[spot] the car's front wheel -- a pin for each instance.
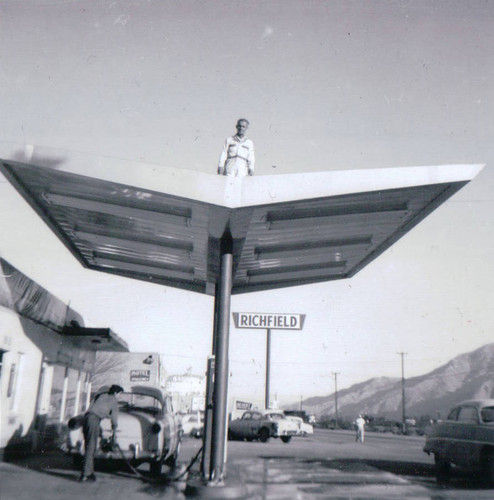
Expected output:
(264, 435)
(172, 461)
(443, 469)
(286, 439)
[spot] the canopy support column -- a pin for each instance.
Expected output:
(221, 368)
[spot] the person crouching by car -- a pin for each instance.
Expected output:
(105, 405)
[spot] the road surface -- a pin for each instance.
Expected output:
(327, 465)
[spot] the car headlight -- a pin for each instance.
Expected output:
(156, 428)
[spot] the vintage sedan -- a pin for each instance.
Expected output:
(304, 429)
(465, 439)
(262, 425)
(193, 424)
(148, 431)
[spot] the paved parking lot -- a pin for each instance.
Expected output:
(328, 465)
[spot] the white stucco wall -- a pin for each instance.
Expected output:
(23, 359)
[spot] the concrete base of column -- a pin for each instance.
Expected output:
(213, 489)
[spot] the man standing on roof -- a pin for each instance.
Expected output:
(105, 405)
(237, 158)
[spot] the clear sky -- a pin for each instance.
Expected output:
(327, 86)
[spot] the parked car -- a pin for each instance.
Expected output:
(465, 439)
(193, 424)
(304, 429)
(262, 425)
(148, 431)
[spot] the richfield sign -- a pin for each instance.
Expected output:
(269, 321)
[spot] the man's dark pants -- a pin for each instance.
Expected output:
(91, 432)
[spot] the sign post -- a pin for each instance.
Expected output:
(268, 322)
(267, 401)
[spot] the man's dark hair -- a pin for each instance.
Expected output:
(243, 120)
(115, 389)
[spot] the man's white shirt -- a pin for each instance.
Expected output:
(237, 157)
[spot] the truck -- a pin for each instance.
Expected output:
(127, 369)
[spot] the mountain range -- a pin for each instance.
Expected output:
(467, 376)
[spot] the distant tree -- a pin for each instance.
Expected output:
(108, 369)
(329, 422)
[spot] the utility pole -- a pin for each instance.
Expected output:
(335, 375)
(301, 403)
(403, 415)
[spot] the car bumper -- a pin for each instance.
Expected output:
(130, 455)
(286, 433)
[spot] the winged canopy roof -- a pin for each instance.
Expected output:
(164, 225)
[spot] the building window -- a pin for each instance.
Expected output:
(14, 382)
(1, 362)
(11, 386)
(85, 391)
(70, 408)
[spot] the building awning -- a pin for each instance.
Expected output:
(94, 339)
(27, 298)
(164, 225)
(30, 300)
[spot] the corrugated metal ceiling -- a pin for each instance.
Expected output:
(174, 241)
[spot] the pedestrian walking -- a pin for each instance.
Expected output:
(360, 428)
(237, 158)
(105, 405)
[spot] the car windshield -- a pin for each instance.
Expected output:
(143, 402)
(487, 414)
